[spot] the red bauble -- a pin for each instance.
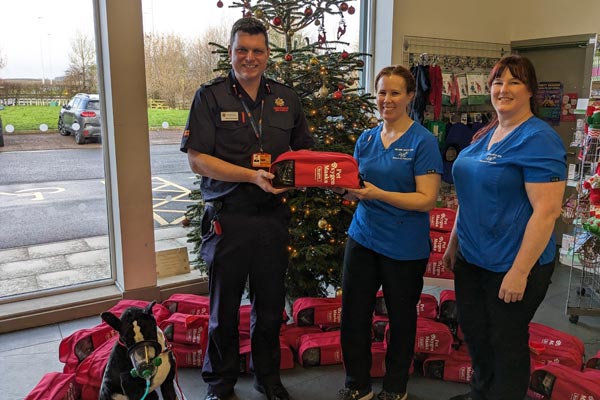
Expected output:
(345, 54)
(308, 11)
(341, 86)
(288, 57)
(351, 10)
(220, 4)
(248, 14)
(337, 95)
(344, 6)
(277, 21)
(360, 63)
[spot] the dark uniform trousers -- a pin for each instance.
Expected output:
(497, 333)
(253, 243)
(364, 272)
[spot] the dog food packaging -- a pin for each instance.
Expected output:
(320, 349)
(317, 311)
(188, 304)
(186, 329)
(307, 168)
(56, 386)
(73, 349)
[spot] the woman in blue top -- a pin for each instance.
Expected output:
(510, 183)
(388, 242)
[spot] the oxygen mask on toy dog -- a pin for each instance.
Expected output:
(145, 357)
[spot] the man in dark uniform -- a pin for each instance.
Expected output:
(237, 126)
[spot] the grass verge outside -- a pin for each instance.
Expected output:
(27, 119)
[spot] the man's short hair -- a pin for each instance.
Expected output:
(251, 26)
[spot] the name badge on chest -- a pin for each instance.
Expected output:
(261, 160)
(230, 116)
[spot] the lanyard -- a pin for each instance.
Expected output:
(256, 128)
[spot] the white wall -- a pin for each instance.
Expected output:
(491, 21)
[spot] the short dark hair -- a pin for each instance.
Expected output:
(409, 79)
(521, 68)
(251, 26)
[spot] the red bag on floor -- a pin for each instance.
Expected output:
(559, 382)
(245, 314)
(188, 304)
(427, 307)
(448, 310)
(307, 168)
(56, 386)
(186, 329)
(73, 349)
(594, 362)
(188, 355)
(378, 360)
(435, 268)
(286, 361)
(539, 333)
(439, 241)
(159, 311)
(91, 370)
(432, 337)
(454, 367)
(541, 355)
(325, 311)
(290, 335)
(442, 219)
(320, 349)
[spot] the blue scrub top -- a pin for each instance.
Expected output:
(379, 226)
(490, 186)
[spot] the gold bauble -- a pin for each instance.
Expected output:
(338, 292)
(322, 223)
(314, 61)
(259, 13)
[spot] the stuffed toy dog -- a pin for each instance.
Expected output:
(140, 361)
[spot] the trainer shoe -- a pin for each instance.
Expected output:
(385, 395)
(354, 394)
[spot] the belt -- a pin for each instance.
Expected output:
(234, 206)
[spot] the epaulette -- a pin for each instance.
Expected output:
(219, 79)
(272, 81)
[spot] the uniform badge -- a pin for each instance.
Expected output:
(229, 116)
(280, 105)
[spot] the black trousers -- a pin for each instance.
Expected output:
(252, 245)
(364, 272)
(497, 333)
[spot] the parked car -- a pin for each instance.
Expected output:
(81, 117)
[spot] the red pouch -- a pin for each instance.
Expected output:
(380, 324)
(378, 360)
(159, 311)
(435, 267)
(594, 362)
(320, 349)
(292, 333)
(307, 168)
(245, 313)
(91, 370)
(442, 219)
(73, 349)
(448, 310)
(186, 329)
(55, 386)
(541, 354)
(188, 304)
(187, 355)
(317, 311)
(550, 337)
(454, 367)
(286, 361)
(427, 306)
(556, 381)
(439, 241)
(432, 337)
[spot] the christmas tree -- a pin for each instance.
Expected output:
(326, 77)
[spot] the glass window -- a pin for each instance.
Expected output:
(53, 208)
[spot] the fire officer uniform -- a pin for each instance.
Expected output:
(244, 229)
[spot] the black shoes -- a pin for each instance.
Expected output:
(212, 396)
(273, 392)
(385, 395)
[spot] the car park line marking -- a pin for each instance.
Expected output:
(36, 193)
(164, 193)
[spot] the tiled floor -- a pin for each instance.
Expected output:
(27, 355)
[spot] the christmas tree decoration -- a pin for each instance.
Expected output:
(220, 4)
(327, 79)
(351, 10)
